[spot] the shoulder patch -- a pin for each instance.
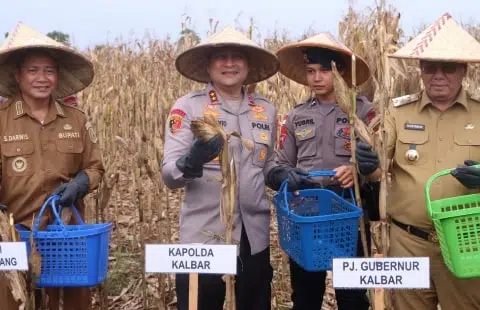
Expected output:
(91, 132)
(403, 100)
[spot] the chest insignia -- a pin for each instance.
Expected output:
(303, 133)
(412, 155)
(19, 164)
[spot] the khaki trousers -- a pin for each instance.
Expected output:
(73, 298)
(445, 289)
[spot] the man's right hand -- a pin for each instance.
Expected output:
(297, 178)
(367, 159)
(191, 164)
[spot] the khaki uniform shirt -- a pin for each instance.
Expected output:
(36, 158)
(316, 136)
(443, 140)
(255, 119)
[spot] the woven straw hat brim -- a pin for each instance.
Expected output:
(194, 62)
(444, 40)
(75, 72)
(292, 62)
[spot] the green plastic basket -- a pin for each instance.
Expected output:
(457, 223)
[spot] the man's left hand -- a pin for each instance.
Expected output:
(344, 176)
(76, 189)
(467, 175)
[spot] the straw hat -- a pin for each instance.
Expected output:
(444, 40)
(193, 63)
(75, 70)
(292, 59)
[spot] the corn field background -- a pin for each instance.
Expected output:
(135, 85)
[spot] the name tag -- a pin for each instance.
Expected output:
(419, 127)
(69, 135)
(14, 138)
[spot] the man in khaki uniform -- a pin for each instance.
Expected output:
(46, 147)
(226, 62)
(316, 136)
(433, 130)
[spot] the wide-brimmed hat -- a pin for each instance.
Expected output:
(193, 63)
(444, 40)
(292, 59)
(75, 71)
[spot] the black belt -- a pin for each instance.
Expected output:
(417, 231)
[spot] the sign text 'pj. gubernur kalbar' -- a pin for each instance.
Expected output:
(387, 272)
(196, 258)
(373, 266)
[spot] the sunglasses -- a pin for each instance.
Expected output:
(445, 67)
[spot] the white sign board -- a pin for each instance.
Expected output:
(13, 256)
(387, 272)
(191, 258)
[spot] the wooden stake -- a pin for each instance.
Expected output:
(379, 301)
(193, 291)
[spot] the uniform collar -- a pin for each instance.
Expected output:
(215, 99)
(21, 109)
(462, 99)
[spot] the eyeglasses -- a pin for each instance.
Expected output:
(445, 67)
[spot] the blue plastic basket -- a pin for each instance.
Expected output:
(317, 225)
(72, 255)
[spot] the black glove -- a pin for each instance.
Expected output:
(297, 178)
(191, 164)
(468, 176)
(367, 159)
(72, 191)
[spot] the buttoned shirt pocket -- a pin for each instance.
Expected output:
(262, 141)
(306, 142)
(18, 158)
(468, 143)
(342, 140)
(70, 153)
(412, 147)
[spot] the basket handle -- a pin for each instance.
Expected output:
(429, 183)
(317, 173)
(58, 220)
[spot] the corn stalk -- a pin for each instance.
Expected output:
(15, 279)
(205, 130)
(347, 101)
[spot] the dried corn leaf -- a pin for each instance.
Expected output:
(35, 259)
(343, 93)
(15, 279)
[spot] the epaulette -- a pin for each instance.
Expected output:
(260, 97)
(403, 100)
(5, 104)
(196, 93)
(63, 104)
(299, 105)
